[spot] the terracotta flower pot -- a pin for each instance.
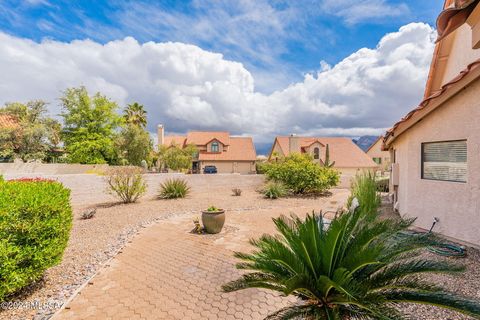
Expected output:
(213, 220)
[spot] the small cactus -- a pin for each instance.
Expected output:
(327, 162)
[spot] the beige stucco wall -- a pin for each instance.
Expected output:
(461, 53)
(242, 167)
(376, 152)
(457, 205)
(311, 148)
(276, 148)
(49, 168)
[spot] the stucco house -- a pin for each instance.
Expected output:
(349, 158)
(435, 148)
(380, 156)
(227, 153)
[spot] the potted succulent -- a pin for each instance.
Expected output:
(213, 219)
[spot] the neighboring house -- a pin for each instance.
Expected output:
(8, 122)
(436, 147)
(349, 158)
(216, 148)
(378, 155)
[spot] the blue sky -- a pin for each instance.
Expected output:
(278, 41)
(252, 67)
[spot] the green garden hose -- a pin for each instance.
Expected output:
(441, 249)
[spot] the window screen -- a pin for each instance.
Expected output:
(445, 161)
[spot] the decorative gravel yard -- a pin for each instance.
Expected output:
(163, 271)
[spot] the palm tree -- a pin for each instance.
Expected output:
(359, 267)
(135, 114)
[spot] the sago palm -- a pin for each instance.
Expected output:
(135, 114)
(359, 267)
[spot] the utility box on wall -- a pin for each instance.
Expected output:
(395, 174)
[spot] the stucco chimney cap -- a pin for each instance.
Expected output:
(160, 126)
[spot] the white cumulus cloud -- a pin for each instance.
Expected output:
(186, 88)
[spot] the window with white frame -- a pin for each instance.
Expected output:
(214, 146)
(316, 153)
(446, 161)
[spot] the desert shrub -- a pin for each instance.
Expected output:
(237, 192)
(364, 189)
(127, 183)
(274, 190)
(382, 184)
(1, 178)
(35, 223)
(301, 175)
(260, 166)
(174, 188)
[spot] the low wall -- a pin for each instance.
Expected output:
(49, 168)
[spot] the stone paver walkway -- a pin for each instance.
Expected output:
(169, 273)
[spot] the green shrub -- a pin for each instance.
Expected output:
(301, 175)
(35, 223)
(260, 166)
(274, 190)
(364, 188)
(127, 183)
(174, 188)
(382, 184)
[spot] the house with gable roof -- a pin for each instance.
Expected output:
(349, 158)
(435, 148)
(229, 154)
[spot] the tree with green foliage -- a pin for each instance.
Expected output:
(177, 158)
(301, 175)
(89, 127)
(35, 135)
(135, 114)
(134, 144)
(355, 267)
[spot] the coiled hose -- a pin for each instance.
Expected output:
(441, 249)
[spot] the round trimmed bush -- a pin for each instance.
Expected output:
(35, 223)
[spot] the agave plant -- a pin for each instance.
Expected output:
(359, 267)
(173, 189)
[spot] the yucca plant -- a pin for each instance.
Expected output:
(174, 188)
(274, 190)
(357, 268)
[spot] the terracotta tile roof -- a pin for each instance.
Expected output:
(427, 101)
(174, 140)
(240, 149)
(455, 14)
(343, 151)
(200, 138)
(8, 121)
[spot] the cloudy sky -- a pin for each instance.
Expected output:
(255, 67)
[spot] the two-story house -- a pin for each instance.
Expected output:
(348, 157)
(227, 153)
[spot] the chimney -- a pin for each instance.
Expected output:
(160, 134)
(294, 143)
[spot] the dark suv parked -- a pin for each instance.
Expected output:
(210, 169)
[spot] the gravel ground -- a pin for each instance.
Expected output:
(95, 241)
